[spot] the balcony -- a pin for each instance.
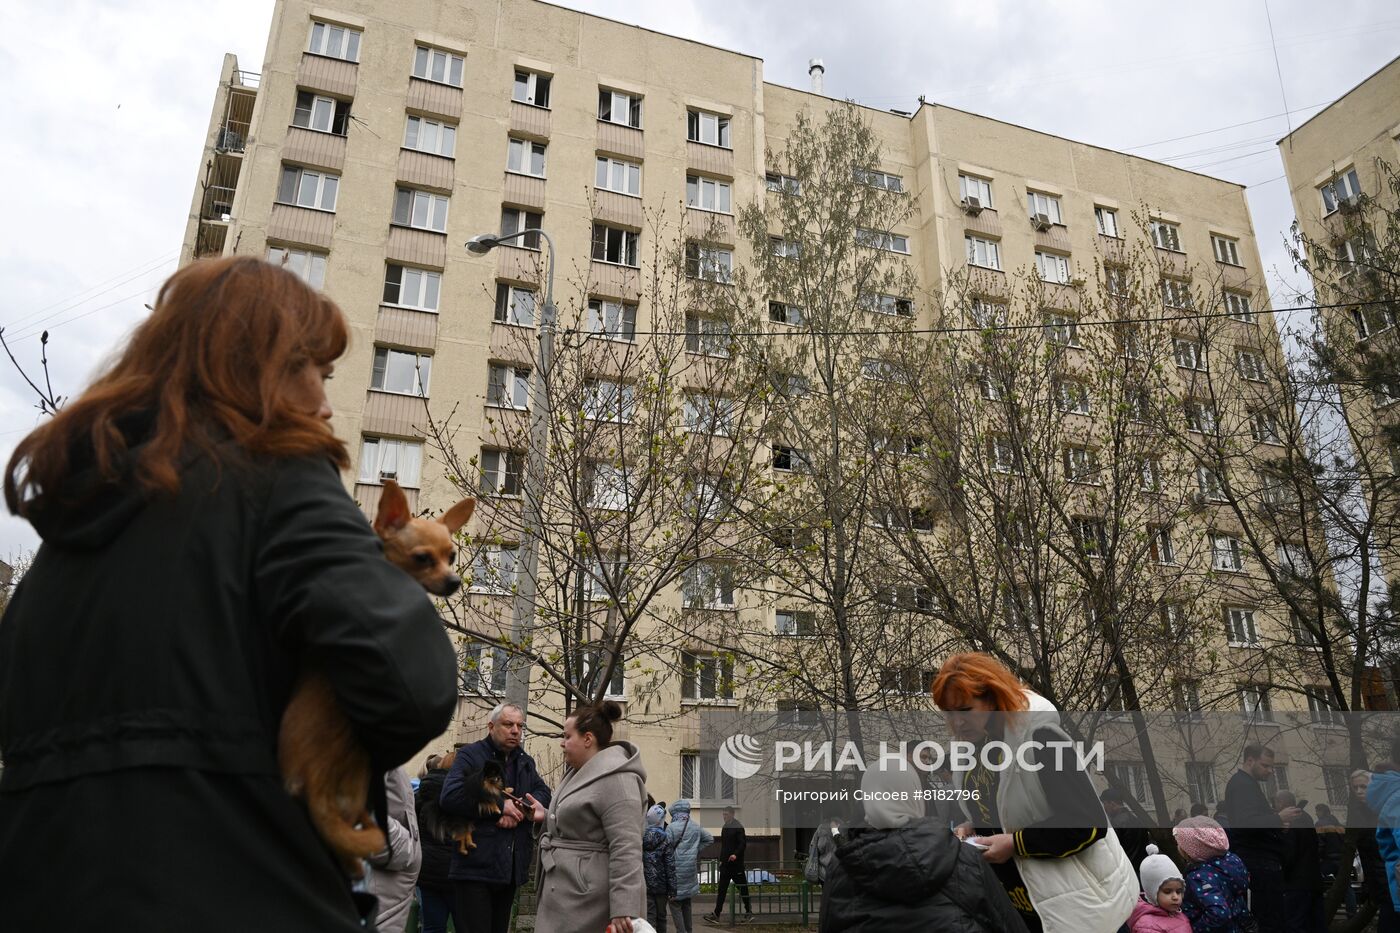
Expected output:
(405, 327)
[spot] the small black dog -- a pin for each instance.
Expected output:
(487, 788)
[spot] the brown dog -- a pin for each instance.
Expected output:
(321, 761)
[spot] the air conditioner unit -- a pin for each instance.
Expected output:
(1041, 222)
(972, 206)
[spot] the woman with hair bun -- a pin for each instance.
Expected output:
(591, 850)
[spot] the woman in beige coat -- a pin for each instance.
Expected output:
(591, 850)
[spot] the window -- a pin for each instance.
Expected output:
(707, 194)
(780, 312)
(617, 107)
(708, 497)
(909, 681)
(782, 184)
(880, 239)
(1343, 189)
(306, 188)
(988, 313)
(525, 157)
(496, 569)
(1130, 777)
(1354, 251)
(1176, 294)
(1373, 319)
(1275, 491)
(1321, 707)
(1238, 307)
(619, 175)
(514, 305)
(1081, 464)
(1139, 405)
(703, 779)
(708, 585)
(708, 263)
(1115, 280)
(783, 248)
(1280, 779)
(709, 128)
(1150, 475)
(1106, 220)
(437, 65)
(308, 266)
(1200, 782)
(1047, 204)
(1200, 416)
(605, 400)
(531, 88)
(430, 136)
(1250, 365)
(707, 335)
(1091, 534)
(1052, 267)
(1209, 485)
(1264, 426)
(334, 41)
(1226, 553)
(1335, 781)
(1165, 235)
(383, 458)
(708, 414)
(1189, 354)
(1174, 625)
(516, 220)
(612, 320)
(1003, 455)
(421, 210)
(1293, 560)
(794, 622)
(508, 386)
(596, 661)
(322, 114)
(483, 669)
(1240, 628)
(989, 385)
(1159, 544)
(609, 487)
(970, 186)
(400, 371)
(789, 459)
(411, 288)
(1226, 249)
(877, 179)
(1255, 703)
(883, 371)
(985, 254)
(501, 471)
(1072, 396)
(1062, 330)
(887, 304)
(615, 245)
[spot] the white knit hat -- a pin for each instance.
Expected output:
(1156, 871)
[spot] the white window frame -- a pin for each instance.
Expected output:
(1189, 354)
(1292, 560)
(1062, 330)
(1321, 709)
(790, 623)
(1256, 704)
(1241, 627)
(610, 100)
(419, 131)
(787, 459)
(976, 187)
(405, 458)
(1201, 417)
(706, 128)
(1106, 221)
(627, 247)
(709, 585)
(1052, 267)
(496, 569)
(438, 66)
(708, 414)
(388, 367)
(508, 386)
(693, 772)
(322, 110)
(612, 320)
(892, 305)
(784, 312)
(882, 239)
(502, 472)
(1081, 464)
(483, 669)
(618, 175)
(609, 400)
(1072, 397)
(1226, 249)
(1340, 187)
(1226, 553)
(983, 253)
(517, 219)
(421, 210)
(533, 91)
(1238, 307)
(1210, 486)
(333, 40)
(708, 194)
(1200, 776)
(1038, 202)
(707, 335)
(1266, 427)
(1166, 235)
(1159, 544)
(782, 248)
(1176, 293)
(709, 263)
(510, 303)
(875, 178)
(989, 314)
(778, 183)
(610, 487)
(616, 689)
(1002, 454)
(879, 370)
(1150, 474)
(417, 289)
(307, 265)
(311, 188)
(522, 156)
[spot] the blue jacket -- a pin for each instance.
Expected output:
(1217, 892)
(501, 856)
(1383, 796)
(658, 862)
(686, 840)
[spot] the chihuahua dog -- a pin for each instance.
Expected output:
(321, 761)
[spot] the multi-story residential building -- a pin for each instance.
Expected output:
(1340, 196)
(377, 138)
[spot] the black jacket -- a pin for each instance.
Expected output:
(435, 837)
(1303, 860)
(916, 878)
(733, 840)
(501, 856)
(145, 662)
(1255, 830)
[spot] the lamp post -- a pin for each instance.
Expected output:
(522, 614)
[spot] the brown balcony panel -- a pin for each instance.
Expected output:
(610, 281)
(987, 223)
(314, 149)
(623, 210)
(1112, 248)
(618, 140)
(439, 100)
(1055, 239)
(505, 427)
(301, 225)
(423, 170)
(1061, 296)
(367, 496)
(397, 415)
(517, 264)
(711, 159)
(988, 283)
(1173, 263)
(332, 75)
(511, 343)
(404, 328)
(524, 191)
(417, 247)
(526, 120)
(707, 225)
(1235, 277)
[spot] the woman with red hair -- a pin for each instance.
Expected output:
(1035, 814)
(199, 551)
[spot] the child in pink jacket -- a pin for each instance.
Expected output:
(1159, 909)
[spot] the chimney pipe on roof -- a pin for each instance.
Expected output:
(816, 69)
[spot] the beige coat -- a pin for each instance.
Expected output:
(393, 873)
(591, 850)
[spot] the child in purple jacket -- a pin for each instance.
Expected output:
(1217, 883)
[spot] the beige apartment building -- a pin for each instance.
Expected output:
(1330, 162)
(375, 139)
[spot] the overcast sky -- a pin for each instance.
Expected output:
(106, 105)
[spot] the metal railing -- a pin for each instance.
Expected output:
(778, 891)
(248, 79)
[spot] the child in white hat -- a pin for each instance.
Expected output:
(1163, 888)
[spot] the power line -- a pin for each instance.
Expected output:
(1221, 129)
(1278, 69)
(77, 297)
(36, 328)
(29, 326)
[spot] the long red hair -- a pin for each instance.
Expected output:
(972, 674)
(209, 364)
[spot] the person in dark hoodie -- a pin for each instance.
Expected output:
(199, 552)
(900, 871)
(1302, 868)
(1256, 835)
(659, 866)
(434, 885)
(733, 840)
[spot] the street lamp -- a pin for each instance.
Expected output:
(522, 613)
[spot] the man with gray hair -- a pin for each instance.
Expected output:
(484, 880)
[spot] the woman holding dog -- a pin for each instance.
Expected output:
(199, 551)
(591, 850)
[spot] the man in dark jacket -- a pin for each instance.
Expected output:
(1302, 868)
(1256, 835)
(484, 880)
(733, 840)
